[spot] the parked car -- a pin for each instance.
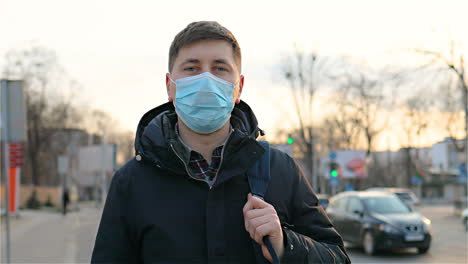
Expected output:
(459, 205)
(405, 195)
(323, 200)
(378, 220)
(464, 217)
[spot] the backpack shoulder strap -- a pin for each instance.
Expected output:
(259, 177)
(259, 174)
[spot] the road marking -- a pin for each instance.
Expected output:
(72, 239)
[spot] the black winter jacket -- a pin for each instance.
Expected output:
(156, 213)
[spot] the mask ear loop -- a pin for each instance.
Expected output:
(238, 82)
(235, 85)
(170, 78)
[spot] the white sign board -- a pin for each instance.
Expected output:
(13, 110)
(62, 165)
(97, 158)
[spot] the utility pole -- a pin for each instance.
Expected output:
(6, 165)
(104, 170)
(465, 101)
(13, 123)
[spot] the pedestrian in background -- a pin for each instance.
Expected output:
(185, 197)
(65, 201)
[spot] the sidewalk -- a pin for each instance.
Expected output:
(39, 236)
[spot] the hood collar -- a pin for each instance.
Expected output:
(155, 132)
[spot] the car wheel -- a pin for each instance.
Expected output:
(368, 243)
(423, 250)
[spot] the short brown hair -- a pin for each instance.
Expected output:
(203, 30)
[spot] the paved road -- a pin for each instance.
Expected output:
(48, 237)
(449, 244)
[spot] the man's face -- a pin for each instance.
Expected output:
(214, 56)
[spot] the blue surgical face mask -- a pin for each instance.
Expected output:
(204, 102)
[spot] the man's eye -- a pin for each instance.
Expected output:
(221, 69)
(190, 69)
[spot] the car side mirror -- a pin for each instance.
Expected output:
(361, 214)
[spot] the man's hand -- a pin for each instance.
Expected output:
(261, 220)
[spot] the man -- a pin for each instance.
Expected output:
(185, 197)
(65, 201)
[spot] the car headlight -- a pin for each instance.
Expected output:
(388, 228)
(426, 224)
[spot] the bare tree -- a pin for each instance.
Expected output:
(416, 118)
(125, 145)
(342, 128)
(302, 72)
(451, 107)
(361, 101)
(365, 103)
(47, 109)
(455, 64)
(415, 121)
(104, 124)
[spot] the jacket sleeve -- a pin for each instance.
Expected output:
(112, 241)
(310, 237)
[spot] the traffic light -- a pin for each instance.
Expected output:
(334, 169)
(334, 173)
(290, 139)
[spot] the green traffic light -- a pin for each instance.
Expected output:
(290, 141)
(334, 173)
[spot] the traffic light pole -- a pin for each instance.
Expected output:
(333, 173)
(314, 166)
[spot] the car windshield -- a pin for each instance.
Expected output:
(323, 201)
(405, 196)
(386, 205)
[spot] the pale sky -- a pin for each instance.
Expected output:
(118, 50)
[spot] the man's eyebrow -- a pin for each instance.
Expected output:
(190, 60)
(222, 61)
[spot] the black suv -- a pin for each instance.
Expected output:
(379, 220)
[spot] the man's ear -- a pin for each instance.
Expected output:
(241, 86)
(170, 88)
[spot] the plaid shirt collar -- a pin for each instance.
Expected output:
(200, 168)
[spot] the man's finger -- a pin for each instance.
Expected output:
(259, 221)
(254, 213)
(257, 203)
(247, 207)
(262, 231)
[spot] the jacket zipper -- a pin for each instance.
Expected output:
(186, 168)
(222, 158)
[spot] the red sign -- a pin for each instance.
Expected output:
(16, 146)
(16, 154)
(16, 163)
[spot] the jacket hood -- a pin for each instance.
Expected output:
(156, 132)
